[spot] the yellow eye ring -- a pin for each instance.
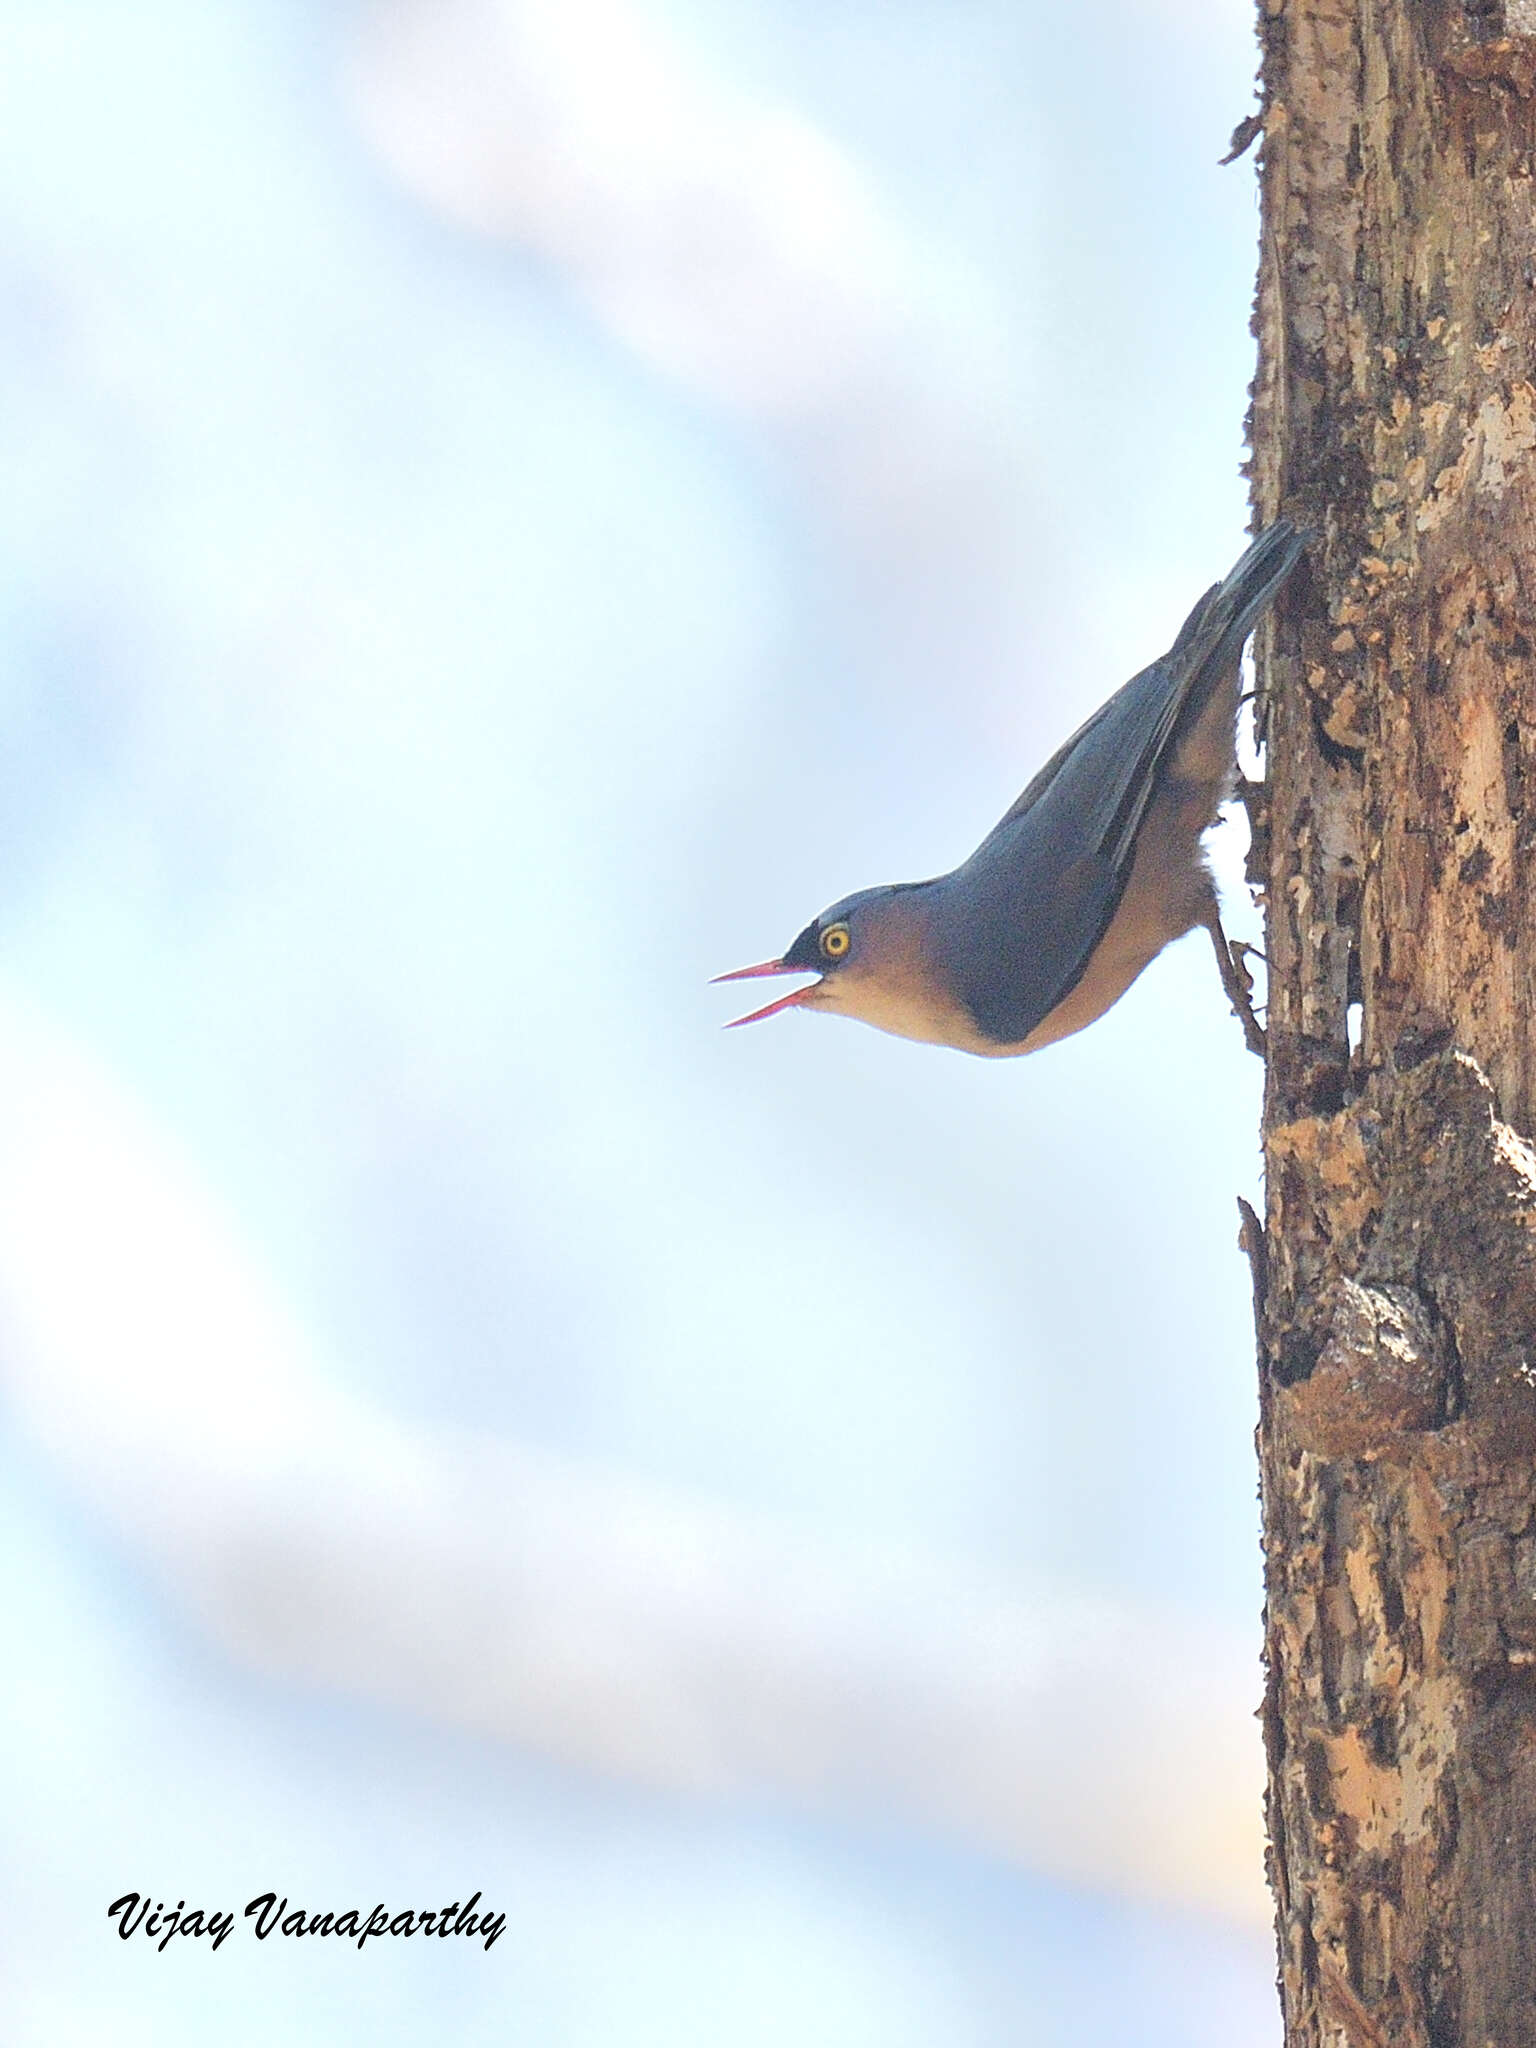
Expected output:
(835, 941)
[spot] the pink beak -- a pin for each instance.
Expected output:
(796, 995)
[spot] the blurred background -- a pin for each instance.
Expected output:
(511, 506)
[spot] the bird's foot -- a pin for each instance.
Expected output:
(1231, 965)
(1241, 953)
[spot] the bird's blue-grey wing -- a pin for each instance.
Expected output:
(1026, 911)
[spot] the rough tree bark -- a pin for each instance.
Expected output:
(1395, 412)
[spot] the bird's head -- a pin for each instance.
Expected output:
(871, 952)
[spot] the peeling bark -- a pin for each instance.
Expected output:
(1395, 413)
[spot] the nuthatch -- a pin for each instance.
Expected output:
(1096, 868)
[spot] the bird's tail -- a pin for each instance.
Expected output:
(1211, 638)
(1204, 656)
(1106, 774)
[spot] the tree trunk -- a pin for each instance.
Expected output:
(1395, 412)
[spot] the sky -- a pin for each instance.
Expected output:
(513, 508)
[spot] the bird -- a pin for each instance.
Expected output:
(1097, 866)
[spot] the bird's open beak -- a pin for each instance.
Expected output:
(796, 995)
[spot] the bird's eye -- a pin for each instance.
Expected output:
(835, 941)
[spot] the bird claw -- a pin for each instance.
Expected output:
(1241, 952)
(1231, 964)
